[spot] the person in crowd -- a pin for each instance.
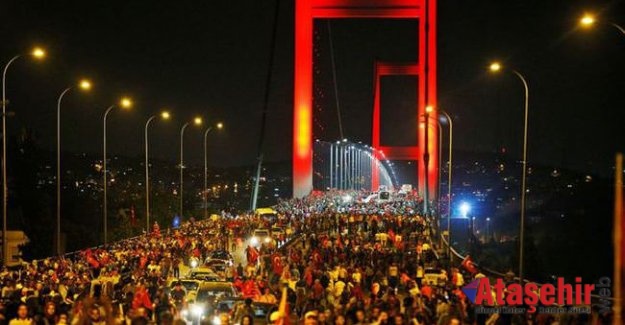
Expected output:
(350, 264)
(22, 317)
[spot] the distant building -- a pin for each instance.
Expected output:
(13, 253)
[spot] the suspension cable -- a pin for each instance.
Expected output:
(336, 91)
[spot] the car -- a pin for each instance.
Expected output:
(434, 276)
(383, 197)
(268, 214)
(261, 310)
(213, 289)
(219, 256)
(222, 305)
(203, 273)
(207, 300)
(187, 283)
(260, 236)
(190, 286)
(219, 268)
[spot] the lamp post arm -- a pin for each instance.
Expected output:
(620, 28)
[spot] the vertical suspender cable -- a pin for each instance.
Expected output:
(261, 138)
(336, 91)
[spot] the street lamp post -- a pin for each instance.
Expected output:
(84, 85)
(495, 67)
(426, 162)
(331, 163)
(165, 116)
(124, 103)
(449, 171)
(439, 190)
(205, 189)
(37, 53)
(196, 121)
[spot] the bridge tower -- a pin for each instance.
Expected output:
(424, 11)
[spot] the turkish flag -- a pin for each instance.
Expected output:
(249, 289)
(252, 255)
(276, 264)
(468, 265)
(91, 260)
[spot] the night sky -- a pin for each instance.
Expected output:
(211, 57)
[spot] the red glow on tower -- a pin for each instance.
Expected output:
(422, 10)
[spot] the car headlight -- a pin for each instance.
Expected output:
(197, 310)
(193, 263)
(254, 241)
(267, 240)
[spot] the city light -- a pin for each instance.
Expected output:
(587, 20)
(220, 125)
(85, 84)
(38, 53)
(495, 67)
(197, 121)
(429, 109)
(165, 115)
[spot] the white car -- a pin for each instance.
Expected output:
(261, 236)
(219, 255)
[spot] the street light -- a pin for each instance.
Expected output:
(37, 53)
(465, 208)
(426, 160)
(588, 20)
(495, 67)
(196, 121)
(164, 116)
(124, 103)
(84, 85)
(449, 170)
(219, 126)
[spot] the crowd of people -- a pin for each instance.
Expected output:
(349, 263)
